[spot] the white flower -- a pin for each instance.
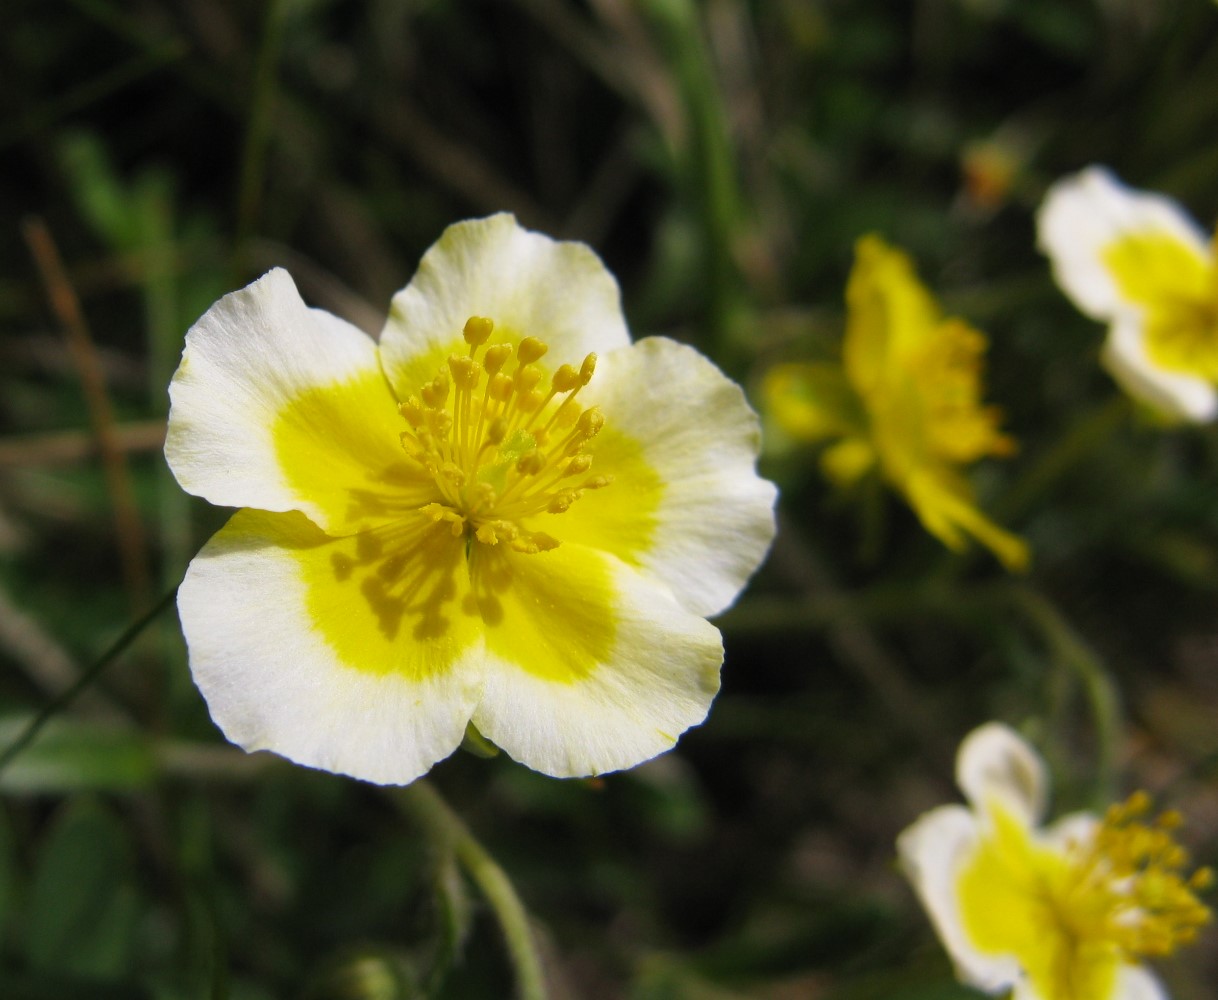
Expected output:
(436, 531)
(1136, 261)
(1064, 912)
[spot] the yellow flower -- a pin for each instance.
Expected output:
(1136, 261)
(905, 402)
(502, 512)
(1065, 912)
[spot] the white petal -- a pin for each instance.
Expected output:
(1084, 214)
(715, 516)
(931, 852)
(254, 355)
(263, 654)
(1136, 982)
(1075, 828)
(996, 764)
(527, 283)
(1174, 394)
(593, 678)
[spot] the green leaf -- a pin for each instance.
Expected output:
(68, 756)
(98, 190)
(82, 906)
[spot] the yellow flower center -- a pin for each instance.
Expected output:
(1127, 884)
(1072, 917)
(500, 448)
(1175, 286)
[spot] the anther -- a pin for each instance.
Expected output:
(497, 430)
(438, 512)
(465, 371)
(499, 388)
(587, 369)
(412, 411)
(435, 392)
(591, 421)
(561, 501)
(565, 379)
(527, 377)
(1169, 820)
(578, 465)
(496, 357)
(477, 330)
(531, 349)
(440, 422)
(494, 532)
(534, 542)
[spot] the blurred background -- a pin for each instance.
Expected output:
(722, 157)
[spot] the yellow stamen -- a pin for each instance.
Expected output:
(491, 455)
(531, 349)
(477, 331)
(1073, 913)
(1137, 870)
(496, 357)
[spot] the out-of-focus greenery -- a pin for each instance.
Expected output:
(723, 157)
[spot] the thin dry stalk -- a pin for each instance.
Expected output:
(57, 448)
(133, 547)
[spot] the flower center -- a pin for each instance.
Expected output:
(1182, 335)
(500, 448)
(1175, 287)
(1128, 885)
(1071, 914)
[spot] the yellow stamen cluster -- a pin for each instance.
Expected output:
(500, 447)
(1131, 878)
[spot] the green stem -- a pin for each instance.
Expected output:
(68, 695)
(1073, 652)
(446, 830)
(258, 128)
(705, 158)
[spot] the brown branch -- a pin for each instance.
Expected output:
(69, 447)
(133, 548)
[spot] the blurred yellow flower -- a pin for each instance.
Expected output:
(437, 531)
(1136, 261)
(906, 401)
(1065, 912)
